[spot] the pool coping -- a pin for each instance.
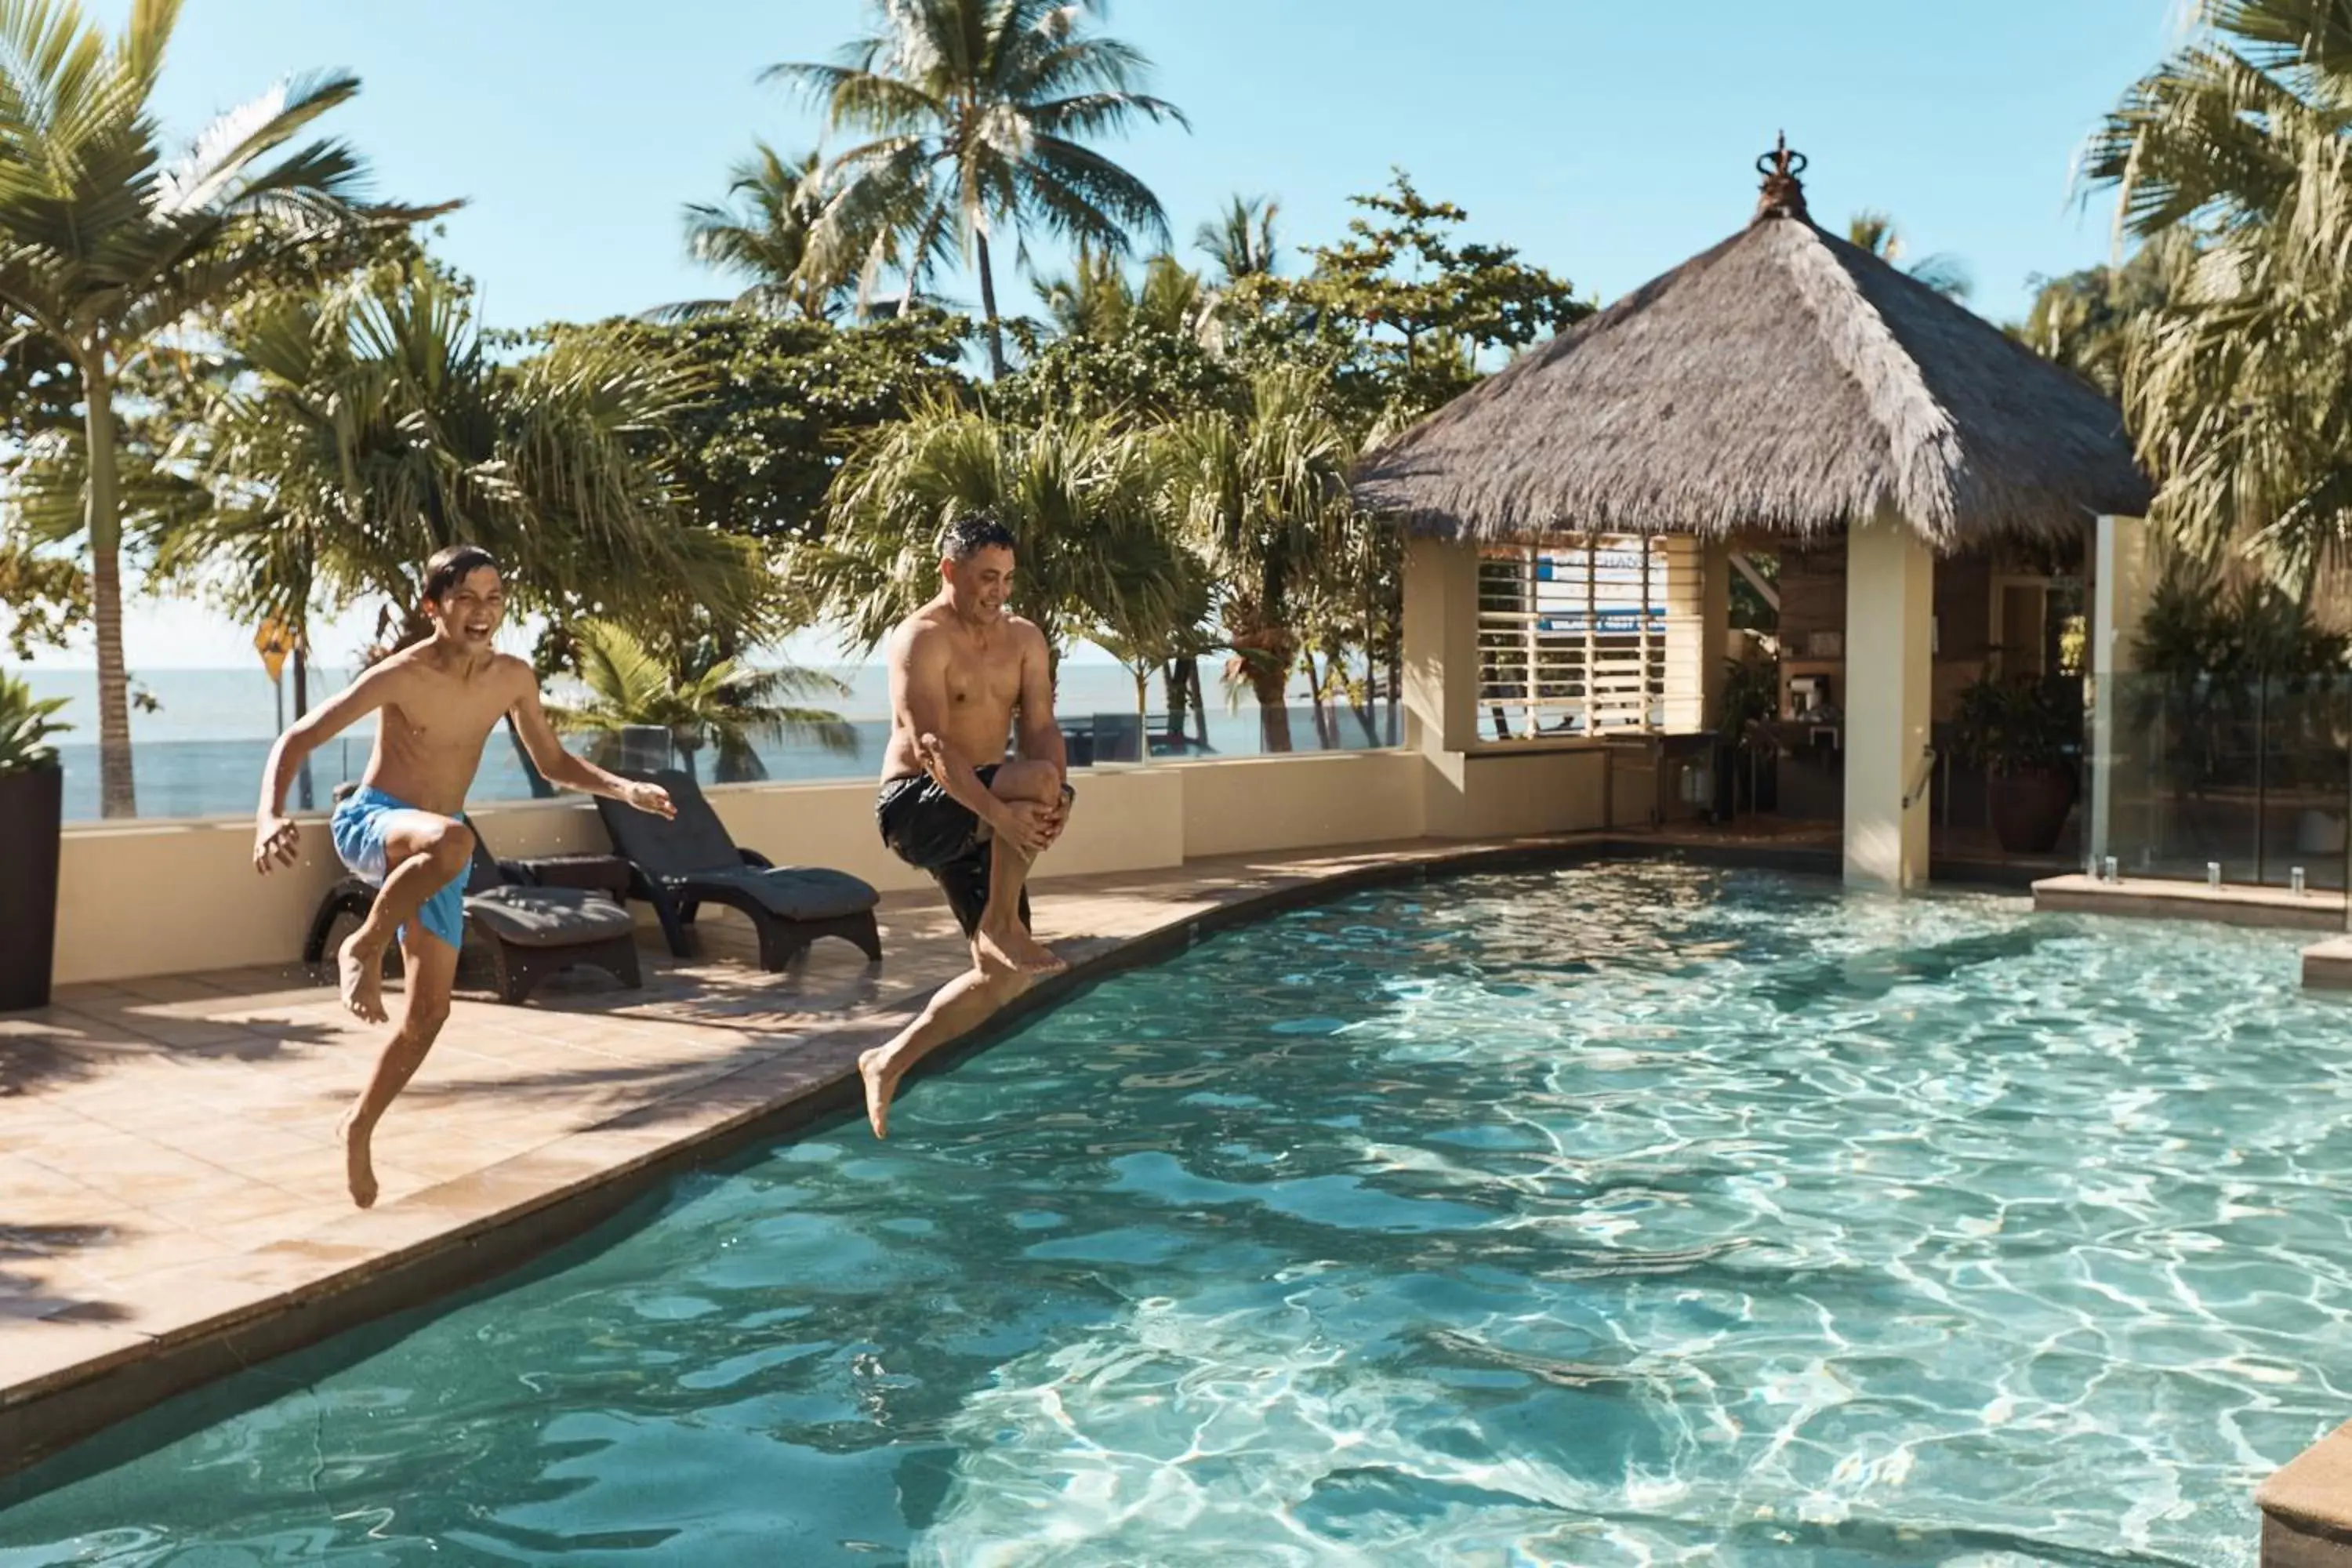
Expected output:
(496, 1220)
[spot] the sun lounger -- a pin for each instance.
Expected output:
(680, 865)
(530, 932)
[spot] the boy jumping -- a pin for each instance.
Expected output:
(403, 827)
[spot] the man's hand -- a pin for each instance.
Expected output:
(276, 842)
(1026, 826)
(1057, 816)
(652, 799)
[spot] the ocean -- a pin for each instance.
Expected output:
(200, 750)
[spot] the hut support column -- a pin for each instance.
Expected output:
(1440, 645)
(1714, 636)
(1890, 582)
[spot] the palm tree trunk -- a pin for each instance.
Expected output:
(117, 794)
(988, 309)
(1199, 702)
(1268, 680)
(302, 706)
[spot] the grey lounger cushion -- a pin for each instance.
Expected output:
(794, 892)
(549, 917)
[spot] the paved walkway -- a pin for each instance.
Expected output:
(168, 1164)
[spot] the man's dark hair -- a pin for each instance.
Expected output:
(452, 566)
(970, 534)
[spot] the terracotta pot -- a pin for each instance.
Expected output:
(2028, 808)
(31, 808)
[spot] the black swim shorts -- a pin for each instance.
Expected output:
(932, 831)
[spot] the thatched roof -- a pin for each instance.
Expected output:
(1785, 381)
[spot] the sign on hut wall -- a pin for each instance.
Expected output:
(1596, 637)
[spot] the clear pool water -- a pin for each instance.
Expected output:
(1620, 1214)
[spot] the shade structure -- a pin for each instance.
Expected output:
(1785, 381)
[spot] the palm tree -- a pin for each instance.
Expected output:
(1098, 300)
(979, 111)
(368, 421)
(104, 246)
(2237, 153)
(1085, 497)
(1265, 496)
(1876, 232)
(705, 703)
(1241, 240)
(762, 237)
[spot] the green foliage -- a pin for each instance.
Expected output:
(1084, 497)
(2083, 319)
(762, 236)
(777, 404)
(45, 596)
(2239, 381)
(1401, 311)
(367, 425)
(1876, 232)
(1144, 375)
(1241, 240)
(26, 725)
(700, 701)
(2192, 629)
(2019, 724)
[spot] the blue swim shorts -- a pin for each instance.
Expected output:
(357, 829)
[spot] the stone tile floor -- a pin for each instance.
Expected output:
(168, 1161)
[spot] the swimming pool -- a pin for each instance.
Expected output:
(1612, 1215)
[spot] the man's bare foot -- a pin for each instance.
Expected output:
(1014, 952)
(881, 1085)
(359, 1166)
(361, 979)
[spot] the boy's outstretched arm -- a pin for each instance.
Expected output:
(275, 840)
(565, 771)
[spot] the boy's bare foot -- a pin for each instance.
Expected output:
(1014, 952)
(358, 1167)
(881, 1085)
(360, 975)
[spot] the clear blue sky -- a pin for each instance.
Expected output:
(1607, 141)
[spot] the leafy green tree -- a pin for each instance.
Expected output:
(1086, 499)
(717, 703)
(981, 112)
(1399, 311)
(776, 403)
(105, 246)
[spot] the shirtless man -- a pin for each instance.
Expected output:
(403, 827)
(950, 803)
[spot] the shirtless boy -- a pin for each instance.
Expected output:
(951, 803)
(403, 828)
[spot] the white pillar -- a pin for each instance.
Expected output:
(1440, 645)
(1890, 583)
(2119, 590)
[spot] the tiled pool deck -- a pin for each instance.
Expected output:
(172, 1201)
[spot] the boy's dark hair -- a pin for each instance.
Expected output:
(970, 534)
(452, 566)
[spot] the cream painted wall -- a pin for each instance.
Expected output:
(1251, 804)
(164, 898)
(1506, 794)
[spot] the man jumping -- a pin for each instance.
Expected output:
(403, 827)
(951, 803)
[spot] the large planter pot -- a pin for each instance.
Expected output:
(31, 807)
(2028, 808)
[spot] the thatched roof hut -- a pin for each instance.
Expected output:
(1785, 381)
